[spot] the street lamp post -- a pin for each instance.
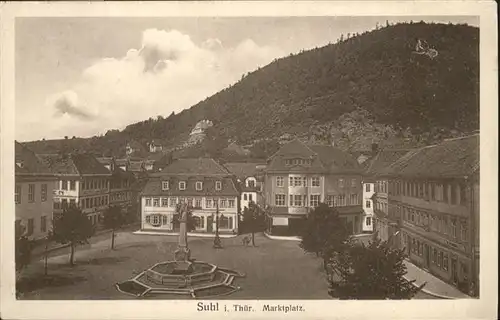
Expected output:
(217, 241)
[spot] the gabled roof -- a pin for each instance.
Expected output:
(243, 170)
(154, 186)
(74, 164)
(193, 166)
(106, 160)
(452, 158)
(324, 159)
(383, 159)
(29, 163)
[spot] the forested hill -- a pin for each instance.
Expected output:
(380, 72)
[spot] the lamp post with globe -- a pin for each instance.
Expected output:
(217, 241)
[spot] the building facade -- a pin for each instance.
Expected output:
(34, 184)
(376, 204)
(299, 177)
(249, 177)
(82, 181)
(434, 196)
(204, 184)
(120, 183)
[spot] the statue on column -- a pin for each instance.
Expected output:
(182, 253)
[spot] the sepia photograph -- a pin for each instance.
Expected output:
(211, 158)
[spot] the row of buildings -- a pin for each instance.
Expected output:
(424, 200)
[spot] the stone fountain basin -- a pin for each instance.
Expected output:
(180, 273)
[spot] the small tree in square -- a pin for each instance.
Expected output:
(72, 227)
(324, 233)
(113, 219)
(23, 249)
(370, 272)
(253, 219)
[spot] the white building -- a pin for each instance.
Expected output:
(368, 192)
(202, 183)
(250, 178)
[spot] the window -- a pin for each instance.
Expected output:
(434, 256)
(182, 185)
(279, 181)
(367, 187)
(341, 200)
(463, 197)
(297, 200)
(218, 185)
(84, 185)
(353, 183)
(155, 221)
(64, 185)
(43, 224)
(165, 185)
(87, 203)
(208, 203)
(31, 226)
(353, 199)
(31, 193)
(223, 203)
(440, 258)
(454, 231)
(231, 203)
(199, 186)
(314, 200)
(298, 181)
(464, 231)
(279, 200)
(341, 183)
(315, 182)
(250, 197)
(330, 200)
(164, 202)
(198, 203)
(172, 202)
(190, 202)
(43, 193)
(148, 202)
(445, 192)
(368, 221)
(72, 185)
(245, 197)
(225, 222)
(445, 261)
(368, 204)
(433, 191)
(18, 194)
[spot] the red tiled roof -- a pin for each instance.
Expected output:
(154, 186)
(193, 166)
(74, 164)
(383, 159)
(29, 163)
(324, 158)
(451, 158)
(243, 170)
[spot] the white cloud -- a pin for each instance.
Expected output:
(168, 73)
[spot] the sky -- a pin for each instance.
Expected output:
(83, 76)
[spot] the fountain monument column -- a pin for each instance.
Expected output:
(182, 253)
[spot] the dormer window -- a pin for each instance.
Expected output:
(199, 185)
(218, 185)
(182, 185)
(165, 185)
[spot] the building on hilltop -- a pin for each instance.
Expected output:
(433, 194)
(34, 187)
(299, 176)
(198, 133)
(155, 146)
(83, 181)
(249, 177)
(203, 184)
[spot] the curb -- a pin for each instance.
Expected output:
(197, 235)
(291, 238)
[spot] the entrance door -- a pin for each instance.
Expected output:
(210, 221)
